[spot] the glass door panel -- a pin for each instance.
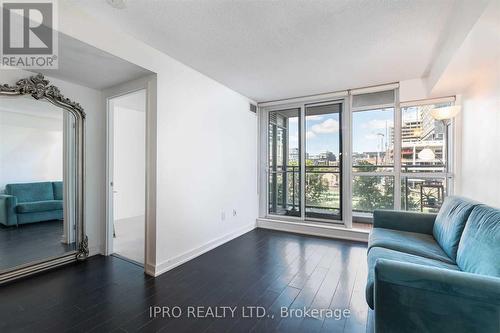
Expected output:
(284, 196)
(372, 162)
(323, 147)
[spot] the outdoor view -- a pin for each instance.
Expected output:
(322, 162)
(423, 161)
(423, 153)
(322, 124)
(373, 153)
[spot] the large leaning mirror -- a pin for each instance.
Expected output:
(41, 179)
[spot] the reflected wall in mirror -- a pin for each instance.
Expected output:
(41, 179)
(36, 180)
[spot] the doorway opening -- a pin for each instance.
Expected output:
(127, 175)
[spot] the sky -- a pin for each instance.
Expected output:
(322, 131)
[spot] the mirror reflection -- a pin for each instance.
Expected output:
(37, 181)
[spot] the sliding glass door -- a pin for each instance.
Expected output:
(323, 147)
(284, 163)
(304, 162)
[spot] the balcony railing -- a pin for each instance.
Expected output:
(322, 194)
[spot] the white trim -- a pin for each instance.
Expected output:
(108, 243)
(191, 254)
(372, 107)
(148, 84)
(373, 89)
(302, 158)
(346, 166)
(314, 229)
(263, 162)
(305, 99)
(450, 99)
(398, 116)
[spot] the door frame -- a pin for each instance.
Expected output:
(149, 85)
(301, 103)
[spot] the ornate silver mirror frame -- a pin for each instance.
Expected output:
(40, 89)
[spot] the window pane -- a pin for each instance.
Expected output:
(322, 192)
(372, 192)
(423, 146)
(322, 179)
(422, 194)
(284, 163)
(373, 140)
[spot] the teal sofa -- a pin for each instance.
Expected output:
(31, 202)
(435, 273)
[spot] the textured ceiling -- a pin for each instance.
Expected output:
(88, 66)
(269, 50)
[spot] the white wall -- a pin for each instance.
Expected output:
(91, 101)
(480, 175)
(206, 149)
(474, 74)
(31, 148)
(129, 162)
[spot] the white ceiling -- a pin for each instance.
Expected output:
(269, 50)
(478, 58)
(91, 67)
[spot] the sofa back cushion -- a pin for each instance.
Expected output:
(479, 249)
(30, 192)
(450, 223)
(58, 190)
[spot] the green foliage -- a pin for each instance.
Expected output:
(316, 186)
(372, 192)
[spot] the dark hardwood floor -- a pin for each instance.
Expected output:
(261, 268)
(31, 242)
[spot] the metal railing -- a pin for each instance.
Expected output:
(292, 193)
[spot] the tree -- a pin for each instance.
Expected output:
(371, 192)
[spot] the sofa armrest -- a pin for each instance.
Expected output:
(404, 221)
(8, 205)
(417, 298)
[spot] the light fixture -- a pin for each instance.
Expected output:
(445, 112)
(117, 4)
(426, 154)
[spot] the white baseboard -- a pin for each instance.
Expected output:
(186, 256)
(313, 229)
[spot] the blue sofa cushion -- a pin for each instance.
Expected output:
(58, 190)
(479, 249)
(381, 253)
(450, 223)
(419, 244)
(31, 192)
(39, 206)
